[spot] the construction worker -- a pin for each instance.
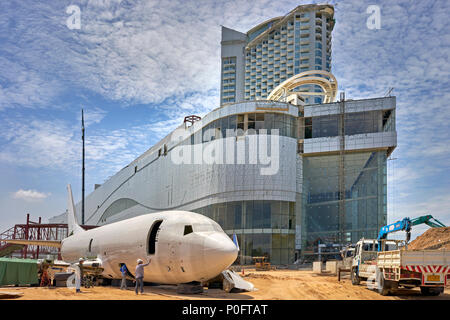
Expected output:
(45, 279)
(139, 275)
(79, 275)
(124, 270)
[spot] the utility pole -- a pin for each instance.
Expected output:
(82, 169)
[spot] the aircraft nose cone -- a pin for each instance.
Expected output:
(219, 250)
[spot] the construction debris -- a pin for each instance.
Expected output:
(432, 239)
(10, 295)
(189, 288)
(232, 282)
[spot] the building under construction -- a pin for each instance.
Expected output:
(32, 230)
(323, 177)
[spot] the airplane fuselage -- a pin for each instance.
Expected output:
(183, 247)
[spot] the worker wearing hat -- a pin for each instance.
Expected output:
(139, 275)
(79, 275)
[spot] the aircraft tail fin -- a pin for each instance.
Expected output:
(73, 225)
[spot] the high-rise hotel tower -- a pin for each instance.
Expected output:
(256, 62)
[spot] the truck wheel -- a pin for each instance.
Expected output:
(427, 291)
(354, 277)
(382, 285)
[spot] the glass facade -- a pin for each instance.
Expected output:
(264, 228)
(355, 123)
(364, 204)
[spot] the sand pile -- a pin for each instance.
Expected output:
(434, 238)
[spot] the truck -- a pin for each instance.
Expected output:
(387, 265)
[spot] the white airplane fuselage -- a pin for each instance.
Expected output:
(176, 257)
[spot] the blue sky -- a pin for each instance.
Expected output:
(138, 67)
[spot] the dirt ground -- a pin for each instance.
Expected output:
(271, 285)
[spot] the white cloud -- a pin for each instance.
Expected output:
(134, 52)
(30, 195)
(91, 116)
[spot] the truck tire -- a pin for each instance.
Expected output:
(354, 277)
(427, 291)
(382, 284)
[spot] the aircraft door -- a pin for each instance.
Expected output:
(153, 237)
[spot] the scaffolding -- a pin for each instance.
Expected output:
(34, 231)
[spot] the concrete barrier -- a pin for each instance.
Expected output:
(331, 266)
(317, 267)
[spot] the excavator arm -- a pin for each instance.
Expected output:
(428, 220)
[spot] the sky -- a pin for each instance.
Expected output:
(138, 67)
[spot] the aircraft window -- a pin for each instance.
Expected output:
(90, 245)
(187, 230)
(152, 239)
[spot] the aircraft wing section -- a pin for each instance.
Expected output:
(44, 243)
(232, 281)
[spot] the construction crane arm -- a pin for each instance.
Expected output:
(404, 224)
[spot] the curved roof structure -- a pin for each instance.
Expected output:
(263, 24)
(323, 79)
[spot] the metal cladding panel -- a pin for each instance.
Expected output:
(350, 106)
(376, 140)
(166, 185)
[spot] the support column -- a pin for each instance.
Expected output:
(341, 178)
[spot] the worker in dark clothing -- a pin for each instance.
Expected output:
(45, 279)
(124, 271)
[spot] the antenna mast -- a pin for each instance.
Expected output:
(82, 169)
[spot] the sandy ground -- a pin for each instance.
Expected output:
(432, 239)
(272, 285)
